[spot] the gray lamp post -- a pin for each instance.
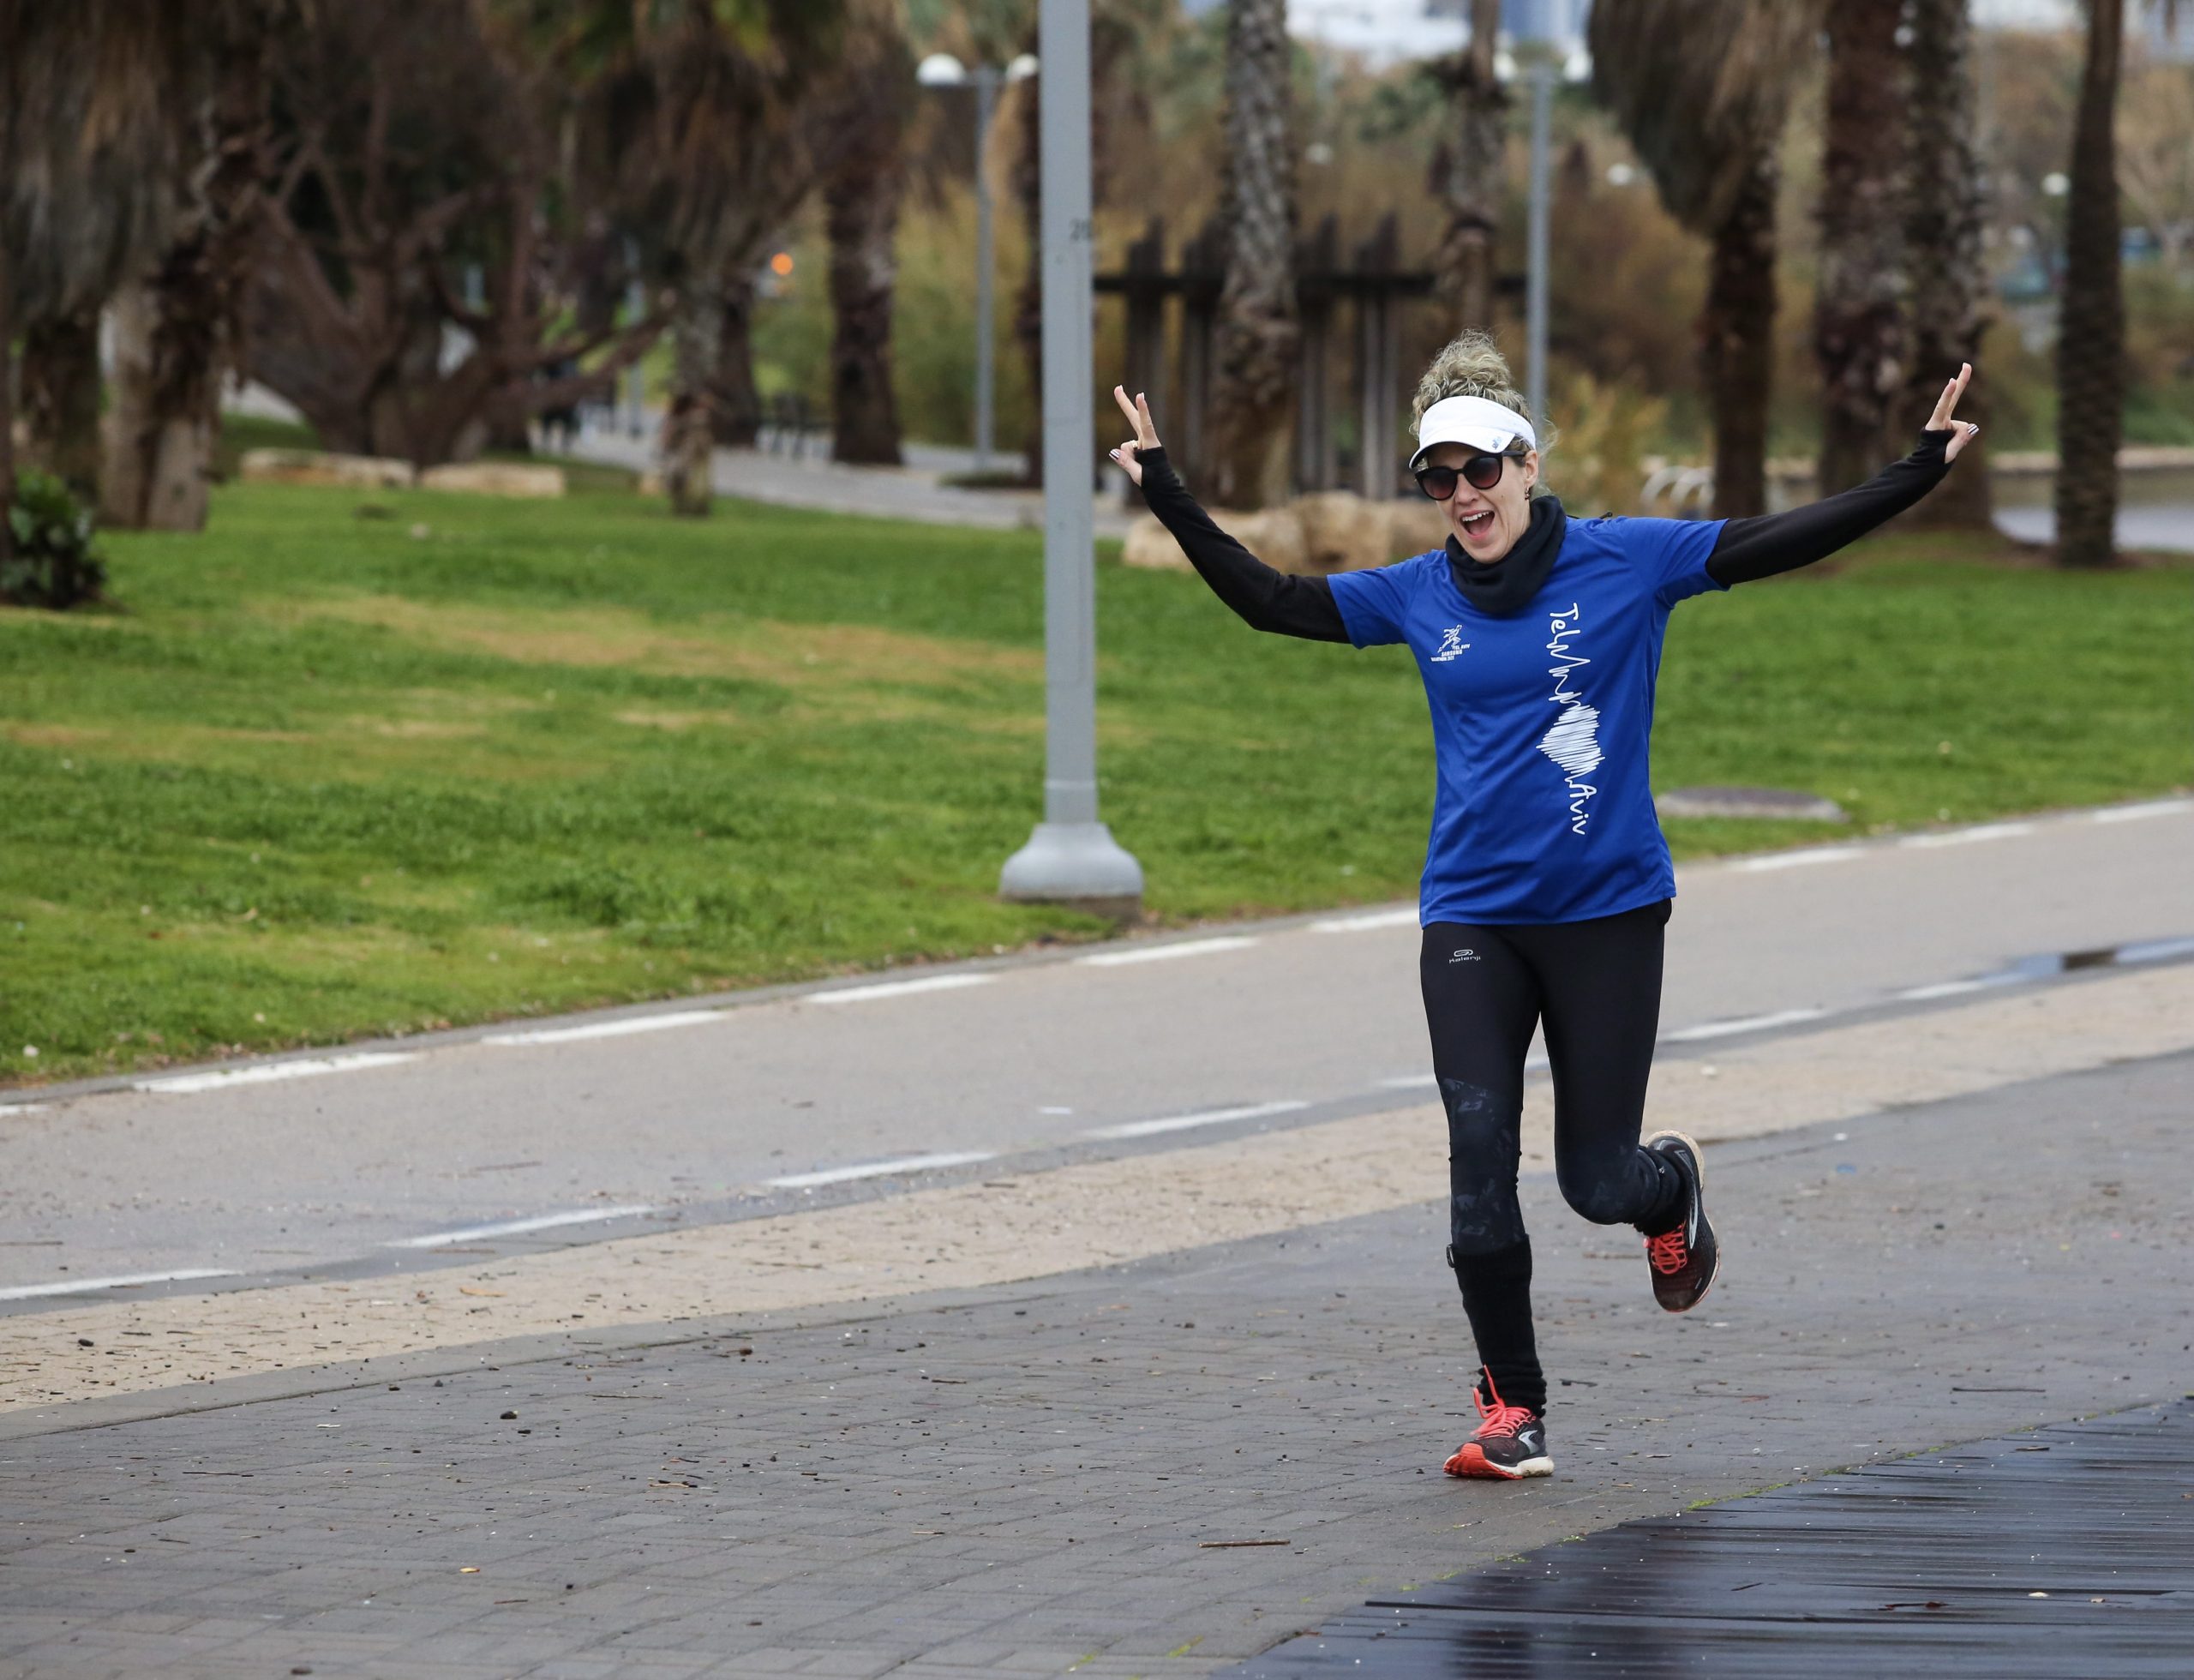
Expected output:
(1071, 857)
(942, 69)
(1547, 43)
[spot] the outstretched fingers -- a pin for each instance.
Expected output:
(1947, 407)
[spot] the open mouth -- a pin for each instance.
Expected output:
(1477, 527)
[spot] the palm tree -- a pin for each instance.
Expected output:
(699, 106)
(1949, 276)
(1701, 87)
(87, 116)
(1467, 172)
(2091, 317)
(1859, 317)
(1253, 359)
(861, 141)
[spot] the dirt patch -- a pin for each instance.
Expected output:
(795, 656)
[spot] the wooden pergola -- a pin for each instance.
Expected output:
(1372, 286)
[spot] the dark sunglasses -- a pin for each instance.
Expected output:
(1481, 472)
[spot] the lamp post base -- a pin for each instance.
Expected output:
(1078, 864)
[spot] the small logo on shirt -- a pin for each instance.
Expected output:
(1463, 957)
(1452, 645)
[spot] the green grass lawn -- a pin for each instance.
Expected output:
(323, 776)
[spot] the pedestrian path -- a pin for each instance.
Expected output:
(1062, 1475)
(807, 478)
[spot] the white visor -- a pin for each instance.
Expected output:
(1474, 422)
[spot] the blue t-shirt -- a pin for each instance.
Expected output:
(1541, 720)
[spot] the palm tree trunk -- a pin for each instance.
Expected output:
(1469, 175)
(61, 399)
(1253, 387)
(688, 430)
(1737, 342)
(1943, 223)
(738, 412)
(1859, 327)
(7, 408)
(2091, 331)
(862, 217)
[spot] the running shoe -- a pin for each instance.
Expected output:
(1509, 1444)
(1685, 1257)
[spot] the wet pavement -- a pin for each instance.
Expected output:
(2066, 1550)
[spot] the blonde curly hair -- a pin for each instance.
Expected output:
(1473, 366)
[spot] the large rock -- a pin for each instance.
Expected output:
(1274, 535)
(509, 479)
(1333, 530)
(314, 466)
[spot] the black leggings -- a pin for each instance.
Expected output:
(1597, 988)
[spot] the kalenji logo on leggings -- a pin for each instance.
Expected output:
(1573, 742)
(1462, 956)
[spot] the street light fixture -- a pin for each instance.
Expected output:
(942, 69)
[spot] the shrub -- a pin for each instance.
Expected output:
(51, 564)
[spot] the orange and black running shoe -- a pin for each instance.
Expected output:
(1685, 1257)
(1509, 1444)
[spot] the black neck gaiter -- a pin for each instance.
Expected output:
(1506, 585)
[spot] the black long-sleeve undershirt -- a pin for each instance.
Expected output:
(1747, 549)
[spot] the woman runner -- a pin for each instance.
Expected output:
(1547, 883)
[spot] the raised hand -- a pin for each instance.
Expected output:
(1145, 433)
(1961, 433)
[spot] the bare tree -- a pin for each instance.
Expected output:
(1467, 172)
(1253, 385)
(411, 148)
(178, 328)
(1949, 276)
(2091, 330)
(1701, 87)
(1859, 315)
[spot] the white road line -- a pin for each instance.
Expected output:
(879, 1169)
(1744, 1023)
(1183, 1122)
(24, 1107)
(1966, 836)
(1948, 988)
(2134, 814)
(1367, 922)
(265, 1073)
(33, 1291)
(635, 1023)
(2154, 951)
(897, 989)
(1799, 860)
(1431, 1081)
(1161, 953)
(512, 1228)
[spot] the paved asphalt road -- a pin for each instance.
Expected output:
(696, 1119)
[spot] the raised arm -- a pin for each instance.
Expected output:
(1748, 550)
(1263, 598)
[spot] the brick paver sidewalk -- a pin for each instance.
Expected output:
(1024, 1480)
